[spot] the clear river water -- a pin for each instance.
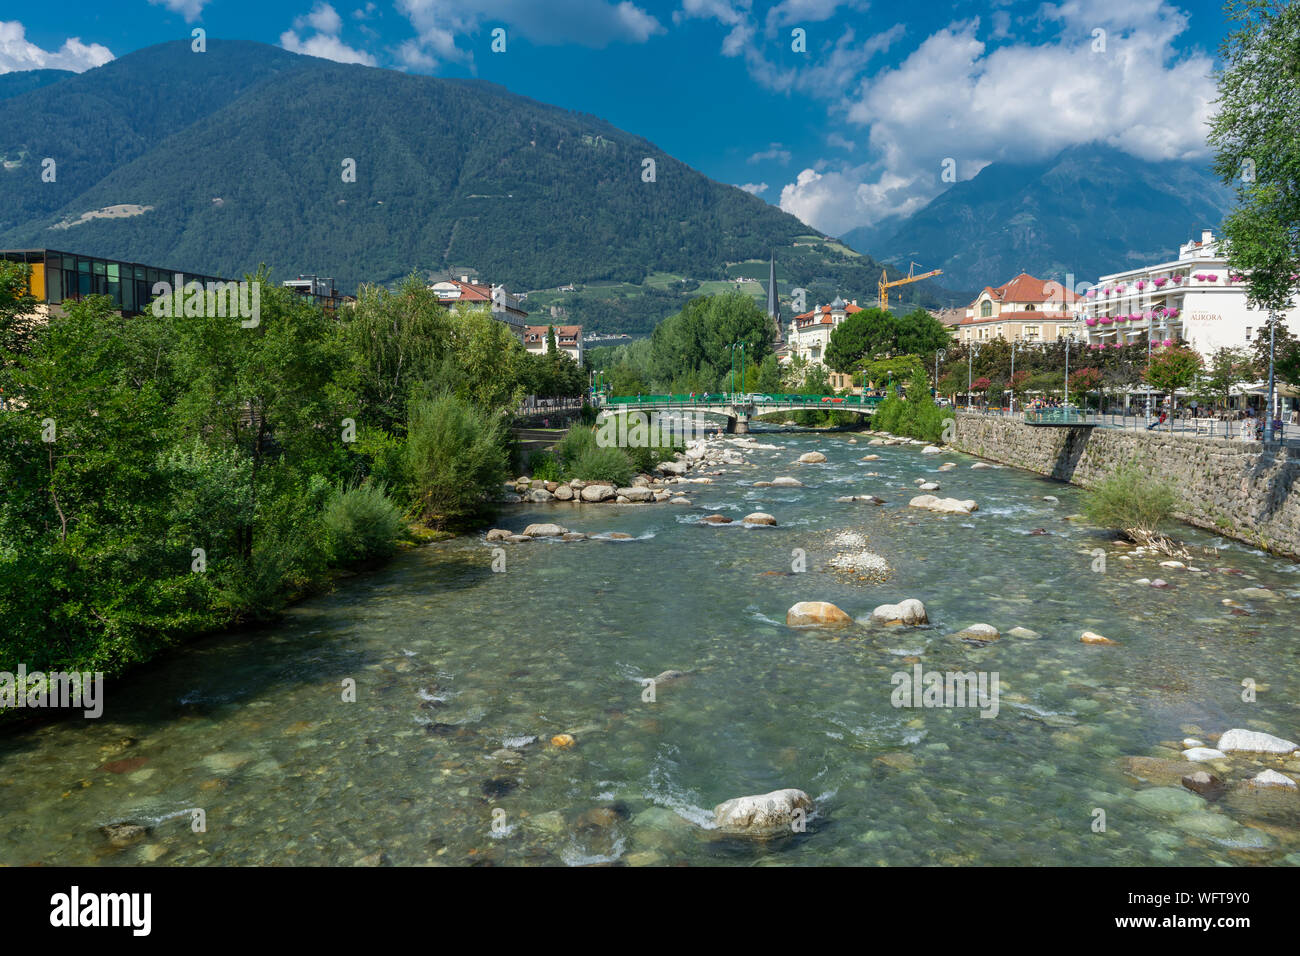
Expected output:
(464, 674)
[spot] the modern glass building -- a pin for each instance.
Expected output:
(57, 276)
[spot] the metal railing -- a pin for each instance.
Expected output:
(738, 398)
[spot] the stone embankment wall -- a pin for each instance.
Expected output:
(1235, 488)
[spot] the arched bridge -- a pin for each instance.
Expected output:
(739, 408)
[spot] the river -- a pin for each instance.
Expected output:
(463, 675)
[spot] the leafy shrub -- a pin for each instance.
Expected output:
(360, 524)
(604, 464)
(455, 460)
(577, 441)
(542, 465)
(1132, 501)
(645, 458)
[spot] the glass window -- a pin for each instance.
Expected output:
(128, 296)
(83, 266)
(986, 309)
(99, 268)
(139, 272)
(83, 280)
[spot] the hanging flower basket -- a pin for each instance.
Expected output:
(1119, 288)
(1236, 277)
(1178, 280)
(1161, 281)
(1211, 278)
(1090, 293)
(1168, 342)
(1141, 284)
(1090, 322)
(1106, 320)
(1121, 318)
(1172, 313)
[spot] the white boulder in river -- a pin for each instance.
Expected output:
(812, 458)
(1253, 741)
(764, 813)
(908, 612)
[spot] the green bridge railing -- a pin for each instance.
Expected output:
(1059, 416)
(724, 398)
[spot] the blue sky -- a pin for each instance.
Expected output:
(857, 126)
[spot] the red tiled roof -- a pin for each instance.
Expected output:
(825, 311)
(1025, 288)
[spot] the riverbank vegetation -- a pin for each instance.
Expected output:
(1137, 504)
(167, 476)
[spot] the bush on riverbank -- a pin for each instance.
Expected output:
(916, 416)
(1131, 501)
(455, 459)
(361, 524)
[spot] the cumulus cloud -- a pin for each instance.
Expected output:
(753, 188)
(189, 9)
(325, 25)
(18, 53)
(957, 98)
(589, 23)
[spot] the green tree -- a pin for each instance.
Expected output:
(1171, 369)
(1228, 368)
(1082, 382)
(866, 335)
(456, 459)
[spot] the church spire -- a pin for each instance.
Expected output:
(773, 300)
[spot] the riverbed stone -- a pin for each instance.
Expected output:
(597, 492)
(564, 493)
(816, 614)
(981, 633)
(672, 467)
(498, 534)
(1169, 800)
(545, 530)
(1271, 778)
(635, 494)
(762, 814)
(910, 612)
(124, 834)
(1092, 637)
(1024, 633)
(1202, 782)
(759, 518)
(1200, 754)
(931, 450)
(715, 519)
(538, 495)
(785, 482)
(811, 458)
(1253, 741)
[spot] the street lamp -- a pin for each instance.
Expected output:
(1068, 340)
(971, 351)
(1272, 340)
(938, 354)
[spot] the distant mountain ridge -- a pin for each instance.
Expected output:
(242, 154)
(1088, 211)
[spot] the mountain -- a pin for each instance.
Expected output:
(1089, 211)
(219, 161)
(11, 84)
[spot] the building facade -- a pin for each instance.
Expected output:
(568, 339)
(494, 299)
(809, 335)
(1025, 309)
(1194, 300)
(58, 277)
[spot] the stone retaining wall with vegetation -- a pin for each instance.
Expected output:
(1232, 487)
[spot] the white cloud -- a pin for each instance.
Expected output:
(774, 151)
(323, 19)
(839, 141)
(589, 23)
(955, 97)
(17, 53)
(189, 9)
(753, 188)
(364, 13)
(324, 41)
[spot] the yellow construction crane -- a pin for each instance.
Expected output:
(886, 285)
